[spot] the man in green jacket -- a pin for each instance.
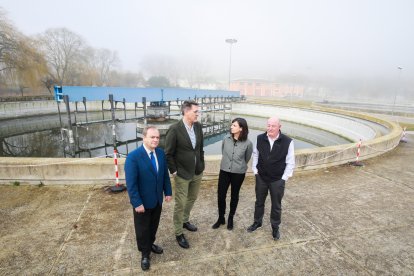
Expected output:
(185, 156)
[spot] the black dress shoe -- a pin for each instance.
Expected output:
(156, 249)
(220, 221)
(276, 233)
(230, 223)
(145, 263)
(254, 226)
(182, 241)
(189, 226)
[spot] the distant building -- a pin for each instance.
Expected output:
(265, 88)
(184, 83)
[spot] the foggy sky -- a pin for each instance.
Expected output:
(311, 37)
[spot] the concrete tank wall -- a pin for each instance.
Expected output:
(101, 171)
(21, 109)
(337, 123)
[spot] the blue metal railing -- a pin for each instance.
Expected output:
(153, 94)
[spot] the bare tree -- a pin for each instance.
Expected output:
(30, 65)
(106, 61)
(62, 49)
(193, 72)
(8, 45)
(95, 66)
(162, 66)
(196, 72)
(127, 79)
(21, 64)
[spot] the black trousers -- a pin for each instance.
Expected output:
(146, 226)
(277, 190)
(225, 180)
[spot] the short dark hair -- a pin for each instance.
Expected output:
(187, 105)
(145, 130)
(245, 129)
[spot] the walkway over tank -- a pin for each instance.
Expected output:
(153, 94)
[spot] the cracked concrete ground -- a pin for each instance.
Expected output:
(344, 220)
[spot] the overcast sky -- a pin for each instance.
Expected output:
(332, 37)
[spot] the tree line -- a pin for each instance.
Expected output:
(56, 57)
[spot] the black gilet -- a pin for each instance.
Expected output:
(271, 164)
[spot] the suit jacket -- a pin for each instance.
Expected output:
(182, 157)
(144, 184)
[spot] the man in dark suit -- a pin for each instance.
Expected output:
(185, 155)
(147, 178)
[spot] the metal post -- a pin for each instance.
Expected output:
(77, 146)
(111, 100)
(224, 114)
(103, 111)
(214, 114)
(70, 132)
(169, 110)
(60, 118)
(144, 103)
(231, 41)
(123, 101)
(118, 187)
(86, 111)
(202, 108)
(76, 111)
(396, 91)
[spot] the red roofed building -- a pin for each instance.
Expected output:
(265, 88)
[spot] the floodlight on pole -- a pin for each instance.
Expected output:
(231, 41)
(396, 90)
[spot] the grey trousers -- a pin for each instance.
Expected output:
(277, 190)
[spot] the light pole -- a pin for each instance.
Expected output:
(292, 89)
(231, 41)
(396, 90)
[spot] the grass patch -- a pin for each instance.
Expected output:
(16, 183)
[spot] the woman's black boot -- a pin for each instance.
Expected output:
(230, 223)
(221, 220)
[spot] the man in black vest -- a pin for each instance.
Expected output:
(273, 164)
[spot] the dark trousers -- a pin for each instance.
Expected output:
(277, 190)
(225, 180)
(146, 226)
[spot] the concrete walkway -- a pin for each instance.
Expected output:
(345, 220)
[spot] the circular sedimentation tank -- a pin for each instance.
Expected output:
(377, 135)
